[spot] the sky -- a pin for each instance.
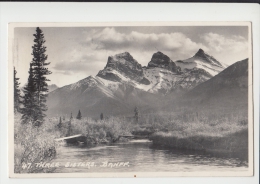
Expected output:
(75, 53)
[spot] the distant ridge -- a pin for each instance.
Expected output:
(228, 89)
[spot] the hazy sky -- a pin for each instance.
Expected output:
(75, 53)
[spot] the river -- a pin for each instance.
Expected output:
(140, 156)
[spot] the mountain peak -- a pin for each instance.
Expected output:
(161, 60)
(125, 57)
(124, 54)
(159, 52)
(200, 53)
(122, 67)
(206, 57)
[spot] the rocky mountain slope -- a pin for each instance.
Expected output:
(166, 76)
(161, 75)
(124, 84)
(227, 90)
(92, 97)
(203, 61)
(123, 67)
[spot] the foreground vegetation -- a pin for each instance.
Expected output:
(209, 131)
(95, 131)
(33, 145)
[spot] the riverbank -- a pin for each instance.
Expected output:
(234, 144)
(141, 156)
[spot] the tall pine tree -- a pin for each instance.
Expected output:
(16, 93)
(40, 71)
(37, 87)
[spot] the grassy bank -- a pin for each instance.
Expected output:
(226, 133)
(233, 143)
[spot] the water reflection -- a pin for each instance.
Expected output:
(144, 157)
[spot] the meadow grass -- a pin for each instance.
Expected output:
(210, 131)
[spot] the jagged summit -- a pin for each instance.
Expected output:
(163, 61)
(122, 67)
(200, 53)
(122, 57)
(201, 60)
(207, 58)
(124, 54)
(159, 59)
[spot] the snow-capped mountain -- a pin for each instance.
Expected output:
(166, 76)
(95, 95)
(161, 75)
(203, 61)
(89, 95)
(124, 84)
(226, 90)
(160, 60)
(121, 68)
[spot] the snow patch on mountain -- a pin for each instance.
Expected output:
(122, 67)
(162, 75)
(204, 61)
(160, 79)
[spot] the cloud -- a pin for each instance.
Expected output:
(220, 43)
(71, 67)
(110, 39)
(90, 54)
(227, 49)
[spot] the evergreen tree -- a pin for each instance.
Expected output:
(71, 116)
(16, 93)
(40, 71)
(59, 125)
(136, 115)
(101, 116)
(79, 115)
(28, 100)
(36, 90)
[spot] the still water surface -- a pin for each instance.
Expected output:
(140, 156)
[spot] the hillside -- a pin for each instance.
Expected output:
(227, 90)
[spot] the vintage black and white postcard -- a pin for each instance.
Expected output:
(153, 99)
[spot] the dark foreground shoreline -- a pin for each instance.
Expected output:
(234, 145)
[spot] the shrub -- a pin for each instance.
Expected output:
(33, 145)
